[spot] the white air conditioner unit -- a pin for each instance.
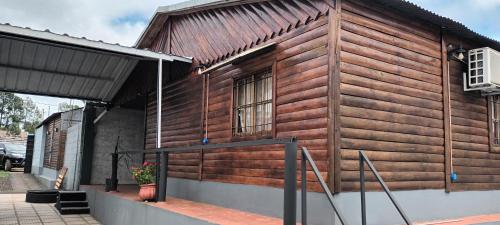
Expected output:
(483, 72)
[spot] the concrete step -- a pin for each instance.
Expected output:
(65, 204)
(41, 196)
(72, 196)
(74, 210)
(72, 202)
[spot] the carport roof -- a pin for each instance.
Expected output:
(45, 63)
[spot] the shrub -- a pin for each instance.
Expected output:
(145, 174)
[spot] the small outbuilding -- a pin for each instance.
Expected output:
(50, 144)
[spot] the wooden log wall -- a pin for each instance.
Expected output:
(300, 72)
(61, 149)
(391, 101)
(474, 160)
(55, 139)
(301, 105)
(181, 124)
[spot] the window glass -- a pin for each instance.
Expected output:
(252, 107)
(496, 119)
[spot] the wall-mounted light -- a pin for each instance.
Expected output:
(456, 53)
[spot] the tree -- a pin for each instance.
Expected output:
(63, 106)
(14, 129)
(16, 113)
(30, 127)
(6, 100)
(33, 116)
(11, 109)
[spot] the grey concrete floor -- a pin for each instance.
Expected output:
(14, 211)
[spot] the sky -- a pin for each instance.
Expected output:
(122, 21)
(482, 16)
(117, 21)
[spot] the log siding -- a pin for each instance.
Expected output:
(356, 77)
(55, 140)
(300, 75)
(384, 61)
(474, 159)
(181, 124)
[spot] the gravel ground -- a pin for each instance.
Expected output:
(5, 182)
(17, 182)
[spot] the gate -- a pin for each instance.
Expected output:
(30, 143)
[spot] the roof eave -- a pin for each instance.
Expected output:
(86, 43)
(400, 5)
(182, 8)
(139, 41)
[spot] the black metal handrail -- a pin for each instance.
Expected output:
(362, 160)
(308, 158)
(290, 187)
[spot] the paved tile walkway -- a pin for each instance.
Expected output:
(14, 211)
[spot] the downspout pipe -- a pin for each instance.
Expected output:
(161, 169)
(205, 138)
(159, 103)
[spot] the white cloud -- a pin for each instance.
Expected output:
(487, 3)
(94, 19)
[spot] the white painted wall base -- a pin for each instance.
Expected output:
(72, 156)
(420, 205)
(112, 210)
(47, 177)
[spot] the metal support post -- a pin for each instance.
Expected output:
(303, 190)
(362, 186)
(114, 171)
(162, 194)
(290, 207)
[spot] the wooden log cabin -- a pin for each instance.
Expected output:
(341, 76)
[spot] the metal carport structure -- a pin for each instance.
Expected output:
(45, 63)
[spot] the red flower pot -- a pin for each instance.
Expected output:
(147, 191)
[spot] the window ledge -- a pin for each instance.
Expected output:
(495, 149)
(258, 137)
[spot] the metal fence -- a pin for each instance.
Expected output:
(290, 177)
(362, 160)
(306, 157)
(290, 187)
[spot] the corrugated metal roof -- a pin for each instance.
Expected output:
(53, 115)
(45, 63)
(447, 24)
(49, 118)
(404, 6)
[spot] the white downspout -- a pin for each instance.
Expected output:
(158, 103)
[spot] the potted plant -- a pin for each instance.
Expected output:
(145, 177)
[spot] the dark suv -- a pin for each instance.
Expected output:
(12, 155)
